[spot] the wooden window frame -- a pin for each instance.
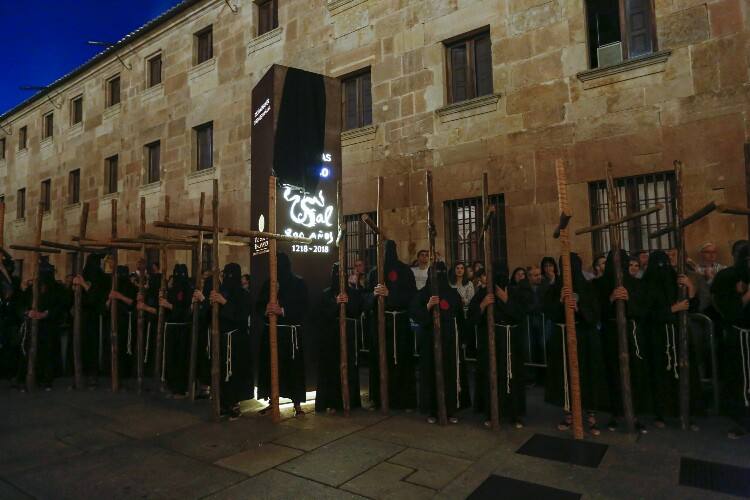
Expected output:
(469, 40)
(110, 94)
(274, 20)
(21, 203)
(45, 195)
(197, 37)
(23, 138)
(75, 120)
(150, 81)
(74, 186)
(361, 118)
(150, 168)
(48, 125)
(624, 31)
(361, 241)
(198, 150)
(110, 181)
(3, 143)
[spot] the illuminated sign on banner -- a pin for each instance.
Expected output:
(309, 217)
(262, 111)
(260, 245)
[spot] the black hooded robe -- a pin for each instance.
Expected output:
(328, 394)
(11, 319)
(293, 298)
(593, 382)
(92, 314)
(509, 317)
(402, 287)
(177, 331)
(451, 310)
(126, 328)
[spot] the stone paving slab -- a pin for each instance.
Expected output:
(340, 461)
(128, 471)
(274, 484)
(27, 448)
(314, 432)
(432, 470)
(259, 459)
(212, 441)
(143, 421)
(385, 481)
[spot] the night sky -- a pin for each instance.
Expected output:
(45, 40)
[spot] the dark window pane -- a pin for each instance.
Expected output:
(111, 174)
(46, 194)
(74, 186)
(205, 46)
(77, 110)
(2, 148)
(459, 83)
(49, 125)
(22, 137)
(350, 104)
(268, 16)
(638, 20)
(154, 71)
(21, 203)
(366, 93)
(204, 146)
(154, 162)
(483, 65)
(114, 91)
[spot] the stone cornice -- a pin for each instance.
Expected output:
(339, 6)
(470, 107)
(358, 135)
(264, 40)
(650, 64)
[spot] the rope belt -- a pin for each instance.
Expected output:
(745, 355)
(229, 354)
(395, 346)
(295, 336)
(148, 337)
(23, 337)
(635, 340)
(566, 404)
(671, 349)
(164, 349)
(458, 366)
(130, 333)
(508, 355)
(208, 343)
(357, 322)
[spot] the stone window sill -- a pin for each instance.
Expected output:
(151, 188)
(75, 129)
(20, 222)
(358, 135)
(197, 176)
(202, 68)
(264, 40)
(471, 107)
(71, 206)
(46, 142)
(21, 153)
(339, 6)
(626, 70)
(111, 111)
(153, 92)
(110, 196)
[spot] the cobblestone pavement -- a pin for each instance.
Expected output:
(95, 444)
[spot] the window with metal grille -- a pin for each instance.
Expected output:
(635, 194)
(21, 203)
(207, 257)
(113, 91)
(268, 15)
(22, 137)
(357, 100)
(469, 66)
(152, 257)
(463, 225)
(153, 162)
(49, 125)
(619, 30)
(204, 45)
(76, 110)
(74, 186)
(361, 242)
(110, 174)
(46, 195)
(154, 70)
(204, 139)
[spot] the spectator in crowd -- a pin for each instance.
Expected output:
(518, 275)
(708, 266)
(358, 276)
(462, 284)
(549, 271)
(420, 269)
(634, 267)
(643, 261)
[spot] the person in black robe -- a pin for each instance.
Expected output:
(328, 395)
(590, 363)
(177, 330)
(49, 313)
(126, 296)
(661, 301)
(638, 345)
(235, 349)
(399, 290)
(94, 290)
(290, 310)
(11, 319)
(730, 291)
(510, 305)
(451, 308)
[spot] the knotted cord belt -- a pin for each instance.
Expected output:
(148, 337)
(130, 333)
(671, 349)
(360, 323)
(164, 348)
(745, 355)
(458, 366)
(634, 333)
(23, 337)
(566, 403)
(229, 354)
(395, 346)
(295, 335)
(508, 354)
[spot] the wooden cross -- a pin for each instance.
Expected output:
(37, 249)
(612, 227)
(437, 340)
(681, 222)
(382, 352)
(162, 312)
(489, 212)
(114, 333)
(343, 348)
(141, 315)
(195, 330)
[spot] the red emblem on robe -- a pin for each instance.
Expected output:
(444, 305)
(392, 276)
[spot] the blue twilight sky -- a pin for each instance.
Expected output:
(45, 39)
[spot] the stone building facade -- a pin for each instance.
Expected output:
(684, 98)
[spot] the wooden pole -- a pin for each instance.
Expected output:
(437, 338)
(114, 334)
(2, 242)
(77, 305)
(33, 342)
(273, 299)
(382, 348)
(491, 341)
(570, 316)
(162, 313)
(195, 330)
(343, 348)
(215, 334)
(682, 316)
(620, 313)
(140, 321)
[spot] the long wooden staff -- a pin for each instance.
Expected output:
(2, 243)
(382, 348)
(273, 298)
(195, 330)
(570, 315)
(215, 334)
(140, 321)
(78, 305)
(437, 338)
(31, 366)
(343, 348)
(114, 334)
(491, 349)
(162, 313)
(682, 316)
(620, 313)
